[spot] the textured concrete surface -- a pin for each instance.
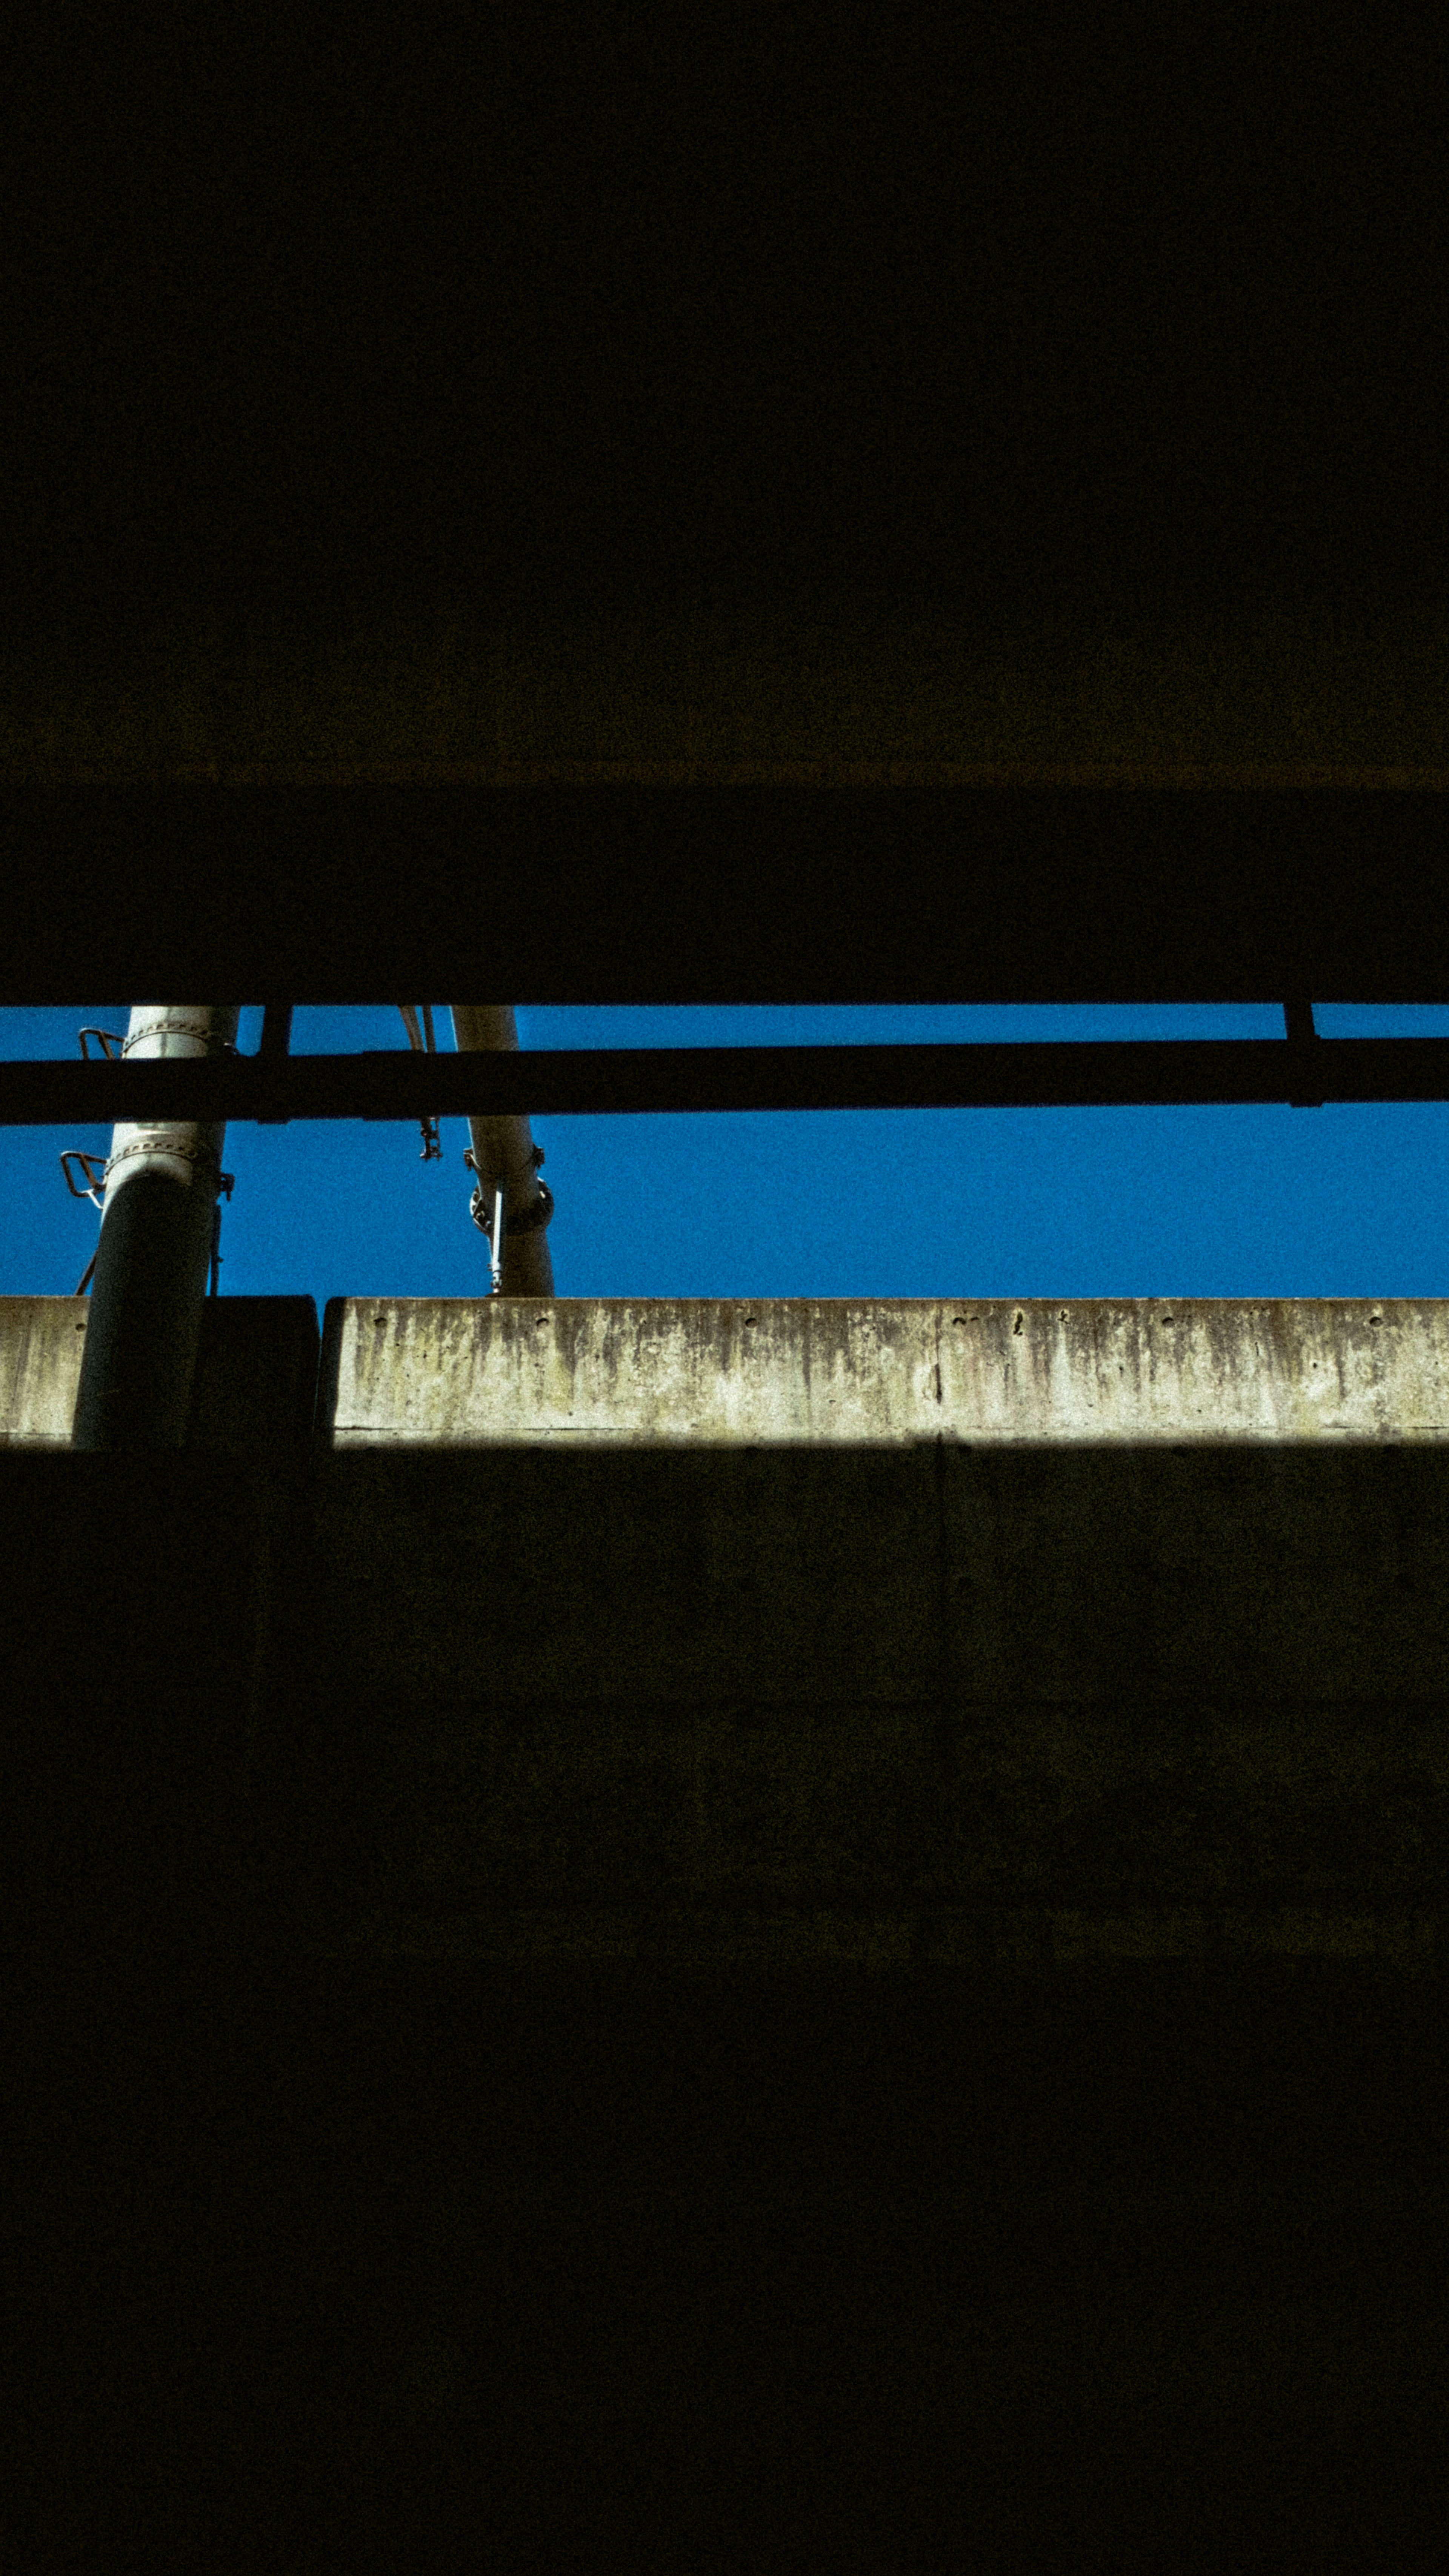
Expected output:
(255, 1379)
(42, 1340)
(882, 1371)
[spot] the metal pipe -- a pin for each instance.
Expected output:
(143, 1330)
(505, 1157)
(276, 1043)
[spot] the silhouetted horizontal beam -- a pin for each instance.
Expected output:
(721, 892)
(580, 1082)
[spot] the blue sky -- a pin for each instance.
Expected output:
(1209, 1202)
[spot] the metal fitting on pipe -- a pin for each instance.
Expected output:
(143, 1328)
(503, 1155)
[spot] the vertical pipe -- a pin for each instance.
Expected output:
(276, 1043)
(143, 1330)
(504, 1156)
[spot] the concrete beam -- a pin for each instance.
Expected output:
(1183, 885)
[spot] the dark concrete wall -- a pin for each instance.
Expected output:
(770, 2003)
(892, 1633)
(911, 1690)
(984, 1635)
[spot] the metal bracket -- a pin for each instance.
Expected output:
(495, 1241)
(110, 1040)
(96, 1179)
(432, 1151)
(490, 1221)
(533, 1218)
(225, 1181)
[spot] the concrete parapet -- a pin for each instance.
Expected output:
(881, 1372)
(255, 1382)
(464, 1372)
(42, 1342)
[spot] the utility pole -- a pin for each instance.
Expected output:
(157, 1241)
(510, 1194)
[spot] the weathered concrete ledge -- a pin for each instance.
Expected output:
(862, 1372)
(881, 1372)
(255, 1385)
(41, 1343)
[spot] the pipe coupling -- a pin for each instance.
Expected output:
(531, 1221)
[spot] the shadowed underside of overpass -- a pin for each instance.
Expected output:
(767, 1938)
(730, 882)
(819, 1912)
